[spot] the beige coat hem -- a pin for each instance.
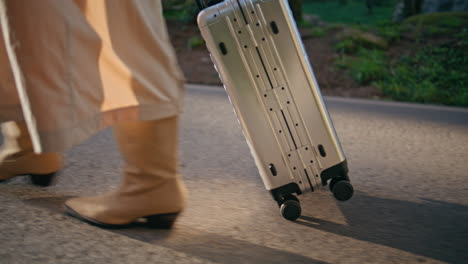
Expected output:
(86, 65)
(68, 137)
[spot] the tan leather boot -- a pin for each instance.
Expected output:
(17, 156)
(151, 191)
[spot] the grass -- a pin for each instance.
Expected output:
(434, 75)
(366, 67)
(443, 19)
(437, 24)
(389, 31)
(318, 32)
(354, 12)
(347, 46)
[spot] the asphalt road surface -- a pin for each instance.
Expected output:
(408, 164)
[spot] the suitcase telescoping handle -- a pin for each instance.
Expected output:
(202, 4)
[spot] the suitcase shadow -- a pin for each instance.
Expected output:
(430, 228)
(191, 241)
(215, 247)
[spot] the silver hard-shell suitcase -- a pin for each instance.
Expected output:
(258, 53)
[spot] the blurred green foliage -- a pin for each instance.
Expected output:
(435, 24)
(350, 11)
(195, 41)
(353, 39)
(180, 10)
(318, 32)
(434, 75)
(366, 67)
(443, 19)
(389, 31)
(347, 46)
(438, 73)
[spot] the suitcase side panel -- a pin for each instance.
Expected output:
(272, 89)
(243, 94)
(250, 112)
(299, 74)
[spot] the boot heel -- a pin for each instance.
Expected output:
(161, 221)
(42, 180)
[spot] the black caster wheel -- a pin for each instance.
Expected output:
(291, 197)
(342, 190)
(291, 209)
(42, 180)
(333, 181)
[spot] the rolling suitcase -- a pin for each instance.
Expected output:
(257, 51)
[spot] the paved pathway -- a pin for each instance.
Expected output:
(409, 167)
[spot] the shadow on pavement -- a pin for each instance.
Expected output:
(434, 229)
(194, 242)
(53, 204)
(431, 228)
(214, 247)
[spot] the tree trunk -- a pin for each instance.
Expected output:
(370, 6)
(412, 7)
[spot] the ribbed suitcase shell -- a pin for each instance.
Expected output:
(258, 53)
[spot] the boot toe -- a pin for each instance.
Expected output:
(88, 210)
(71, 212)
